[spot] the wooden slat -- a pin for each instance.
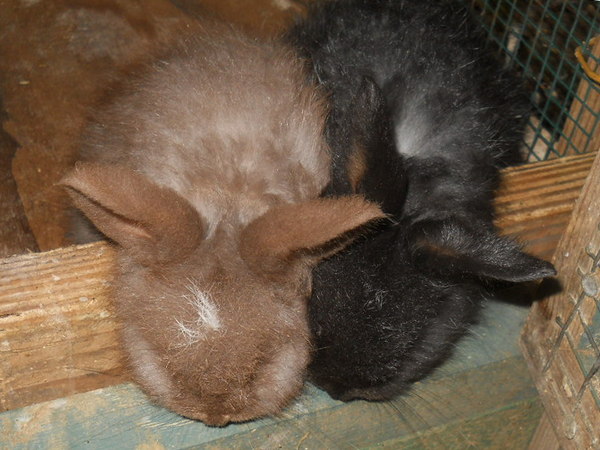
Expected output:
(449, 409)
(555, 326)
(58, 335)
(544, 437)
(535, 201)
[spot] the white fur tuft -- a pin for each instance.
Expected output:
(207, 315)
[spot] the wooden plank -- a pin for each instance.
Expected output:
(436, 404)
(510, 427)
(546, 166)
(535, 201)
(543, 174)
(544, 437)
(555, 326)
(58, 335)
(121, 417)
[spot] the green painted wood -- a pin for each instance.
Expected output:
(494, 338)
(512, 427)
(433, 404)
(121, 416)
(485, 376)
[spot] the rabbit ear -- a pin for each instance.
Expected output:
(318, 227)
(352, 132)
(451, 246)
(367, 109)
(154, 223)
(364, 118)
(375, 167)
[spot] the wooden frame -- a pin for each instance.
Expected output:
(566, 369)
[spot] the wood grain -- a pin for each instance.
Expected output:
(58, 334)
(450, 411)
(535, 201)
(544, 437)
(555, 327)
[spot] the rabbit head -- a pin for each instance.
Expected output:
(388, 309)
(214, 324)
(418, 291)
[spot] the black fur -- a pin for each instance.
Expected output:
(436, 117)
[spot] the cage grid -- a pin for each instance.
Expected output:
(561, 338)
(539, 39)
(555, 46)
(579, 326)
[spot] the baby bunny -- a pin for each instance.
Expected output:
(205, 171)
(421, 121)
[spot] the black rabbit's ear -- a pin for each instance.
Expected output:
(368, 105)
(351, 131)
(363, 117)
(453, 247)
(375, 168)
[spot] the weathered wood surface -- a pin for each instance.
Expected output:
(556, 328)
(544, 437)
(475, 408)
(535, 201)
(59, 337)
(483, 398)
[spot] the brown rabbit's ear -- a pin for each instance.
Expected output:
(270, 242)
(153, 223)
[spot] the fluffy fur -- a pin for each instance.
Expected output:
(421, 121)
(204, 170)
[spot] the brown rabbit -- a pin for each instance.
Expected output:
(205, 172)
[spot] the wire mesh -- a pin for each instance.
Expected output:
(581, 327)
(539, 38)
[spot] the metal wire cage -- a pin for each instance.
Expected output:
(539, 38)
(555, 44)
(561, 338)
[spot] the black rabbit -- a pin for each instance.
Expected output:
(421, 121)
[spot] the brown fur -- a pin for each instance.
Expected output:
(356, 166)
(205, 172)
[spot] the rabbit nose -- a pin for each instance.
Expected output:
(219, 420)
